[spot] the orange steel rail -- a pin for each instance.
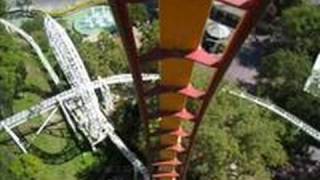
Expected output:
(181, 28)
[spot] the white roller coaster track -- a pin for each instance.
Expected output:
(281, 112)
(52, 103)
(11, 27)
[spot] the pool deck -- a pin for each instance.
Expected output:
(51, 5)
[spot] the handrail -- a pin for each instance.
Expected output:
(280, 111)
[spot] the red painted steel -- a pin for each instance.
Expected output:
(199, 56)
(242, 31)
(174, 162)
(120, 10)
(243, 4)
(178, 133)
(165, 175)
(220, 63)
(176, 148)
(188, 91)
(183, 114)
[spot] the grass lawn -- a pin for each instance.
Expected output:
(36, 76)
(50, 143)
(68, 170)
(28, 100)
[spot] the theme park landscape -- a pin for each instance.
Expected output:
(71, 105)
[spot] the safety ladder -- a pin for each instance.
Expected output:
(174, 155)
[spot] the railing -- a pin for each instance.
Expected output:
(280, 111)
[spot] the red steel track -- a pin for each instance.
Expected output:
(254, 9)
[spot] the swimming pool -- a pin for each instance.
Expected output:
(93, 20)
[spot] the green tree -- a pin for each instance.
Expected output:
(35, 28)
(6, 158)
(283, 74)
(300, 27)
(2, 7)
(237, 140)
(12, 71)
(150, 36)
(104, 57)
(282, 78)
(27, 167)
(138, 13)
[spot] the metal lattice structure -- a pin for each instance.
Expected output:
(53, 102)
(91, 122)
(280, 111)
(80, 104)
(180, 35)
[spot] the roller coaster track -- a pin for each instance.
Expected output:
(281, 112)
(182, 24)
(11, 27)
(52, 103)
(79, 104)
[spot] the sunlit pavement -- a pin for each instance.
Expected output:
(244, 67)
(49, 5)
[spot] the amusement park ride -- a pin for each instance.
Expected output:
(181, 28)
(80, 104)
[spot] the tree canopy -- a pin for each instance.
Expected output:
(12, 71)
(237, 140)
(139, 13)
(301, 28)
(283, 73)
(2, 7)
(27, 167)
(103, 57)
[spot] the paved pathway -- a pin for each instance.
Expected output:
(244, 66)
(49, 5)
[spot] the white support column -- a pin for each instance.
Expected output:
(66, 113)
(47, 121)
(129, 155)
(15, 138)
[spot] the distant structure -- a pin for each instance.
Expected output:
(312, 85)
(94, 20)
(80, 104)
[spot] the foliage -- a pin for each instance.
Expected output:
(282, 78)
(138, 13)
(284, 4)
(12, 71)
(23, 3)
(150, 36)
(27, 167)
(104, 57)
(2, 7)
(283, 73)
(35, 28)
(6, 158)
(301, 28)
(237, 140)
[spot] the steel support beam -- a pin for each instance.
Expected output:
(15, 138)
(46, 121)
(243, 29)
(121, 15)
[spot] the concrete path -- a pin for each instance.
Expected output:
(49, 5)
